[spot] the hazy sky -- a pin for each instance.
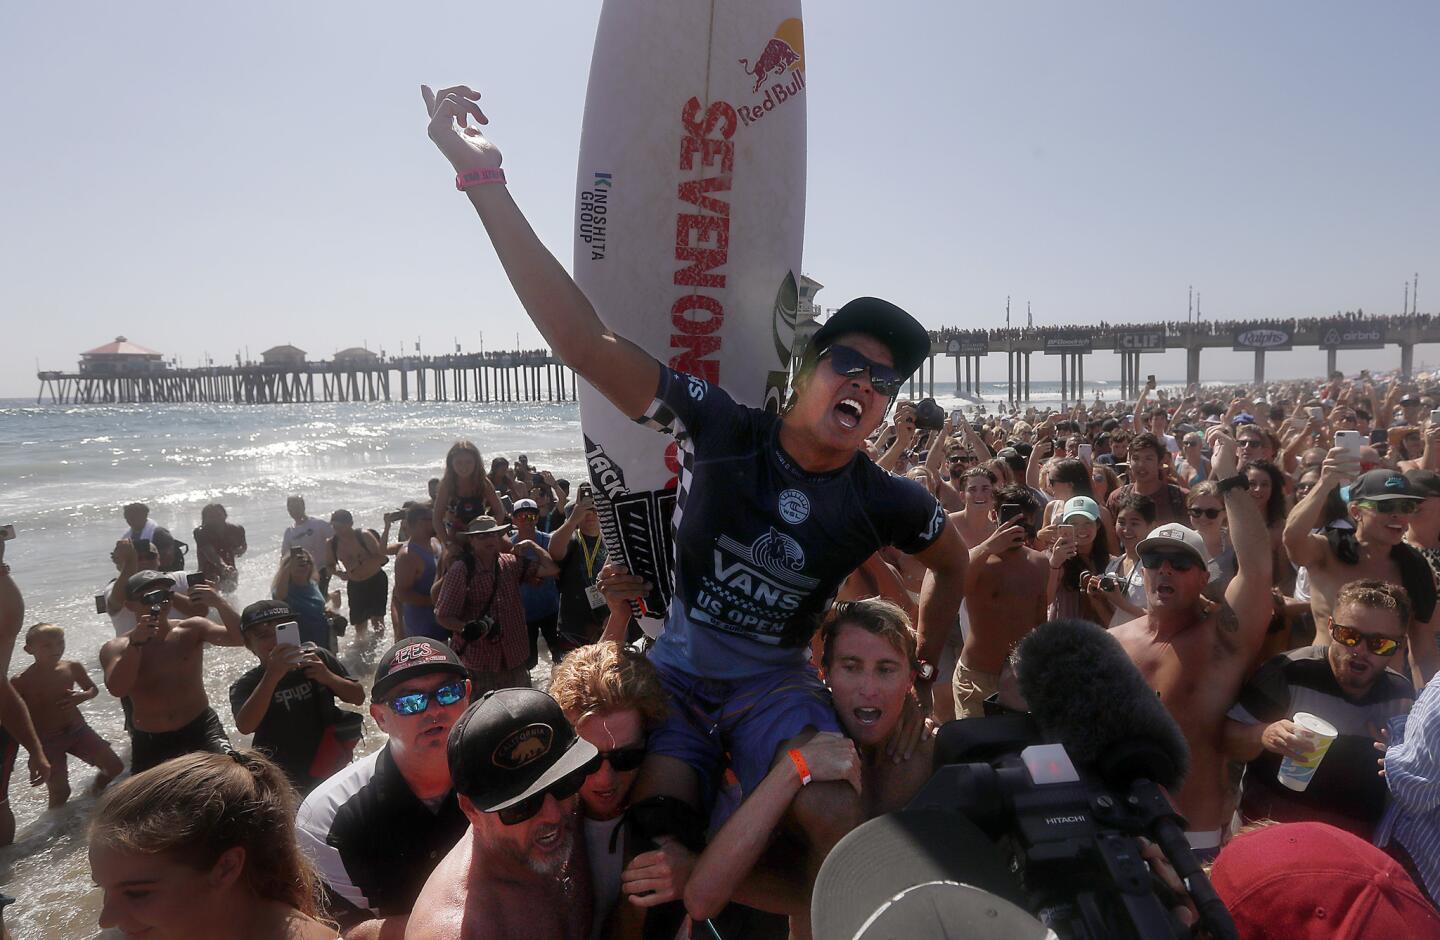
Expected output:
(207, 177)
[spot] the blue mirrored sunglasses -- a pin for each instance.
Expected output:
(416, 702)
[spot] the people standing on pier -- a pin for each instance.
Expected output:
(358, 558)
(309, 533)
(218, 543)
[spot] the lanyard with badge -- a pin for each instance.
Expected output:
(593, 594)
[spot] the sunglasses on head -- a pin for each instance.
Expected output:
(1180, 561)
(1349, 636)
(849, 363)
(562, 789)
(1207, 513)
(414, 703)
(1401, 507)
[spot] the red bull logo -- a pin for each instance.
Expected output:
(782, 58)
(777, 59)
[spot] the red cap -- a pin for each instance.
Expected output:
(1307, 881)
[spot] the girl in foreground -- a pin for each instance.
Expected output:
(204, 846)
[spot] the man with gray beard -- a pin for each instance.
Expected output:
(519, 871)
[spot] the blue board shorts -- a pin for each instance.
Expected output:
(746, 719)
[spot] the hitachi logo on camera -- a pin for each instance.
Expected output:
(1062, 820)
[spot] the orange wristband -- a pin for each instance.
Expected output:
(799, 760)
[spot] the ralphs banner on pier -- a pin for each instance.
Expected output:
(690, 210)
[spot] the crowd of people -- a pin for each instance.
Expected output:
(1193, 327)
(1267, 559)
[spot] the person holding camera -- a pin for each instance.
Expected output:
(1120, 591)
(479, 603)
(288, 700)
(297, 585)
(160, 666)
(579, 549)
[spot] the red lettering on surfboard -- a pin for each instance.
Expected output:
(702, 238)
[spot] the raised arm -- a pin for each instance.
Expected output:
(1305, 546)
(1248, 594)
(623, 372)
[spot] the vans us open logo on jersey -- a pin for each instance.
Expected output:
(794, 506)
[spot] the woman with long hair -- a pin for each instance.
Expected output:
(465, 492)
(297, 583)
(1206, 508)
(1091, 557)
(204, 846)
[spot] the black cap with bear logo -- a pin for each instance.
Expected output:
(511, 744)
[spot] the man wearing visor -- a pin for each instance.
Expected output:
(160, 667)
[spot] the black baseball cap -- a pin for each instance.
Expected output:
(1380, 485)
(416, 656)
(264, 612)
(907, 340)
(512, 744)
(918, 874)
(137, 583)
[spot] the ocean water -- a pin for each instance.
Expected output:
(65, 471)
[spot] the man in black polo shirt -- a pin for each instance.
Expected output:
(1350, 685)
(378, 828)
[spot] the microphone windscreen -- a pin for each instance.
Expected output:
(1086, 693)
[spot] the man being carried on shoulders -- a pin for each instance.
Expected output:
(773, 512)
(1196, 650)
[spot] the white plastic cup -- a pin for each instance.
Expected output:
(1297, 774)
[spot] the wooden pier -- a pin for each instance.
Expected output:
(478, 377)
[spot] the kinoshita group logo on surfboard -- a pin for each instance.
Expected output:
(782, 64)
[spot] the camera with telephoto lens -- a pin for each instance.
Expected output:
(481, 628)
(1069, 832)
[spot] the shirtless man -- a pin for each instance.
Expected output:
(1195, 650)
(975, 521)
(363, 558)
(1381, 504)
(1006, 598)
(519, 871)
(160, 665)
(16, 728)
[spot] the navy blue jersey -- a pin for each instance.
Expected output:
(762, 546)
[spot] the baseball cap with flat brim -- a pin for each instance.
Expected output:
(141, 581)
(486, 525)
(902, 334)
(513, 744)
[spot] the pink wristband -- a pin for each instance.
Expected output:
(464, 181)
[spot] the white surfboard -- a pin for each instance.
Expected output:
(689, 225)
